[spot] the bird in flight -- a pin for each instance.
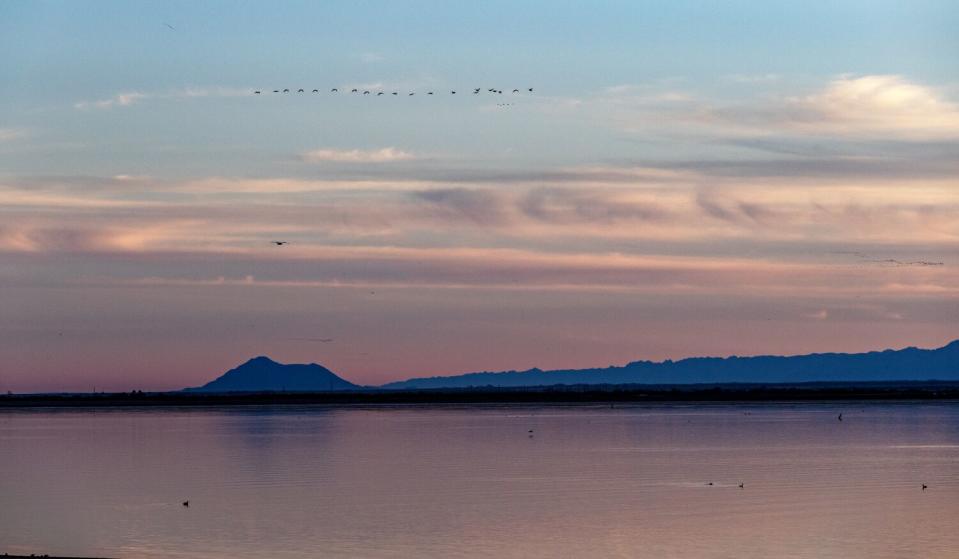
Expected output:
(286, 91)
(186, 503)
(170, 26)
(280, 243)
(334, 90)
(299, 90)
(316, 91)
(257, 92)
(353, 90)
(380, 93)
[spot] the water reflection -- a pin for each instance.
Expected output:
(654, 481)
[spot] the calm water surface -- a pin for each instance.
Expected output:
(471, 482)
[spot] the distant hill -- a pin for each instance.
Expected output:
(909, 364)
(262, 374)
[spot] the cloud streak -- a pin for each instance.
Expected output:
(130, 98)
(332, 155)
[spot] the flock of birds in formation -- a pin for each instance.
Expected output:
(358, 91)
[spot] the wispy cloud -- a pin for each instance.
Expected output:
(883, 107)
(382, 155)
(126, 99)
(370, 57)
(119, 100)
(10, 134)
(846, 108)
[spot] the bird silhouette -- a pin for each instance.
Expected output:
(742, 485)
(840, 417)
(286, 91)
(299, 90)
(515, 91)
(452, 93)
(380, 93)
(170, 26)
(186, 503)
(280, 243)
(276, 91)
(366, 93)
(429, 93)
(334, 90)
(475, 91)
(924, 486)
(316, 91)
(256, 92)
(531, 90)
(353, 90)
(412, 94)
(395, 93)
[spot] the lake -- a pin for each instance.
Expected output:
(654, 481)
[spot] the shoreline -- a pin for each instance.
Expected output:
(563, 394)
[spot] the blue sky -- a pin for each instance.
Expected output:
(686, 178)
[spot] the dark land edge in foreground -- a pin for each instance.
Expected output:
(7, 556)
(573, 394)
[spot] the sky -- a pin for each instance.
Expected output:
(686, 178)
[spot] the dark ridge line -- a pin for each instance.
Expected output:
(931, 390)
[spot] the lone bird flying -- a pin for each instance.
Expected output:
(280, 243)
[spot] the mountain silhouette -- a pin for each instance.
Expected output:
(262, 374)
(909, 364)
